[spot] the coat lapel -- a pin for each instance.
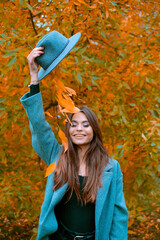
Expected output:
(102, 193)
(59, 193)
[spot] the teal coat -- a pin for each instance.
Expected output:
(111, 215)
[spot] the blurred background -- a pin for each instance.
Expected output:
(114, 69)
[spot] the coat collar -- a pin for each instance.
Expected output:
(109, 166)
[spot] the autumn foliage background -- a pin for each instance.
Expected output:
(114, 69)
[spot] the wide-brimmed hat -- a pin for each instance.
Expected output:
(56, 47)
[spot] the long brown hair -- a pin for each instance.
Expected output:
(96, 159)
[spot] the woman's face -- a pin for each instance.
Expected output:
(80, 131)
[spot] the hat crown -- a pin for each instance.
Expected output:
(53, 43)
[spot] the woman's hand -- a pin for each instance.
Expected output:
(33, 65)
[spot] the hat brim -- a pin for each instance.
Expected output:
(72, 42)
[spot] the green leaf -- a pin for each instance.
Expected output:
(150, 61)
(8, 43)
(12, 61)
(153, 144)
(11, 53)
(139, 181)
(35, 230)
(94, 82)
(79, 77)
(14, 32)
(157, 39)
(121, 153)
(1, 100)
(29, 7)
(103, 34)
(119, 146)
(21, 2)
(154, 113)
(114, 3)
(17, 67)
(3, 35)
(132, 104)
(126, 85)
(142, 219)
(63, 70)
(24, 131)
(2, 41)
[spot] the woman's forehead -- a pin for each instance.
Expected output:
(80, 116)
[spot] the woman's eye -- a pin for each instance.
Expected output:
(73, 125)
(83, 124)
(86, 125)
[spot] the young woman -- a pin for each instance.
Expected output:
(84, 196)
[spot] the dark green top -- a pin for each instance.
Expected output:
(75, 216)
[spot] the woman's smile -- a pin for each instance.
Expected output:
(79, 135)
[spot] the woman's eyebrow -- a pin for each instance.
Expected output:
(74, 121)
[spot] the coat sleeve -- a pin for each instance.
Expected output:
(43, 138)
(119, 225)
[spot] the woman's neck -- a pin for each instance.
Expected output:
(81, 155)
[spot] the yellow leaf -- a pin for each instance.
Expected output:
(50, 169)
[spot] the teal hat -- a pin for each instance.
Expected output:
(56, 47)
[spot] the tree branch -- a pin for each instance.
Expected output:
(52, 104)
(31, 15)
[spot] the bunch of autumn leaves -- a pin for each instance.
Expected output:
(65, 105)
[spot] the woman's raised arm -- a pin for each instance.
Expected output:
(43, 139)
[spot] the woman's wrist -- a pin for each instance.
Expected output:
(34, 82)
(34, 78)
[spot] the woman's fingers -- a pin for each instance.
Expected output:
(36, 52)
(33, 65)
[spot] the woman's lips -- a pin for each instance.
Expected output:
(79, 136)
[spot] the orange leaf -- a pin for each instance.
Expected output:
(75, 110)
(50, 169)
(50, 115)
(131, 232)
(70, 90)
(60, 85)
(63, 139)
(65, 103)
(110, 95)
(107, 14)
(65, 145)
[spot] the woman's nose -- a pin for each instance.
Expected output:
(79, 127)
